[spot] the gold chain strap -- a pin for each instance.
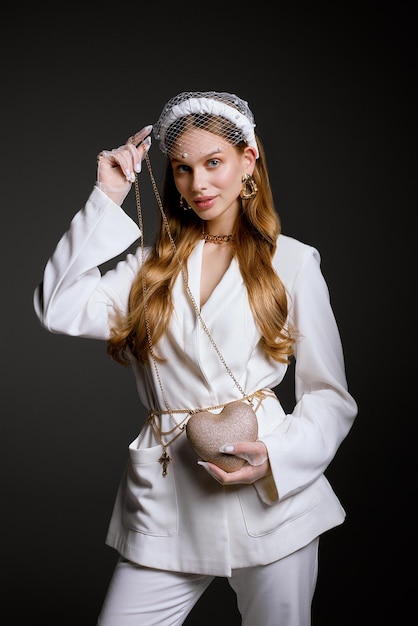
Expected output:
(165, 459)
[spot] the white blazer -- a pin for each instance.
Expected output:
(185, 521)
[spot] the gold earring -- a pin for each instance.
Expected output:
(184, 205)
(249, 188)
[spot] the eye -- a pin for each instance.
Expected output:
(213, 163)
(181, 169)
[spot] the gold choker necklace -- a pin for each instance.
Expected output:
(217, 238)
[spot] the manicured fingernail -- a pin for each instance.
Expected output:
(130, 176)
(226, 448)
(207, 468)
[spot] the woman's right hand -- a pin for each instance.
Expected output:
(116, 168)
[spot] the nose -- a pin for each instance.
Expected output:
(199, 182)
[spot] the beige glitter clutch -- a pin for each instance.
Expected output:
(208, 431)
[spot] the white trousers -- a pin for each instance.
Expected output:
(277, 594)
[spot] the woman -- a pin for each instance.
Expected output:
(209, 315)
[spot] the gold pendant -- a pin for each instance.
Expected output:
(164, 460)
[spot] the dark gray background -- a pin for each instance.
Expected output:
(333, 89)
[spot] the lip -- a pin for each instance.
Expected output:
(204, 202)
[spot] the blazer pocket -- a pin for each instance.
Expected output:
(151, 500)
(261, 518)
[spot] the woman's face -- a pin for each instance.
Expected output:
(208, 172)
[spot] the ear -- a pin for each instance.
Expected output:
(250, 157)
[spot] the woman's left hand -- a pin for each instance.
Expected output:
(256, 467)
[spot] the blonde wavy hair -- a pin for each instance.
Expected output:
(256, 231)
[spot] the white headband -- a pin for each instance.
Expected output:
(213, 107)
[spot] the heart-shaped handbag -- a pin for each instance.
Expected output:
(208, 431)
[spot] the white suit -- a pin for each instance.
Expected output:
(186, 521)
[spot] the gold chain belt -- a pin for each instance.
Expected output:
(165, 459)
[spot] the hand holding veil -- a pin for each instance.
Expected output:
(116, 168)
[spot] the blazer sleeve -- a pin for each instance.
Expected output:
(73, 297)
(302, 447)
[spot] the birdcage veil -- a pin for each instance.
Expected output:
(222, 113)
